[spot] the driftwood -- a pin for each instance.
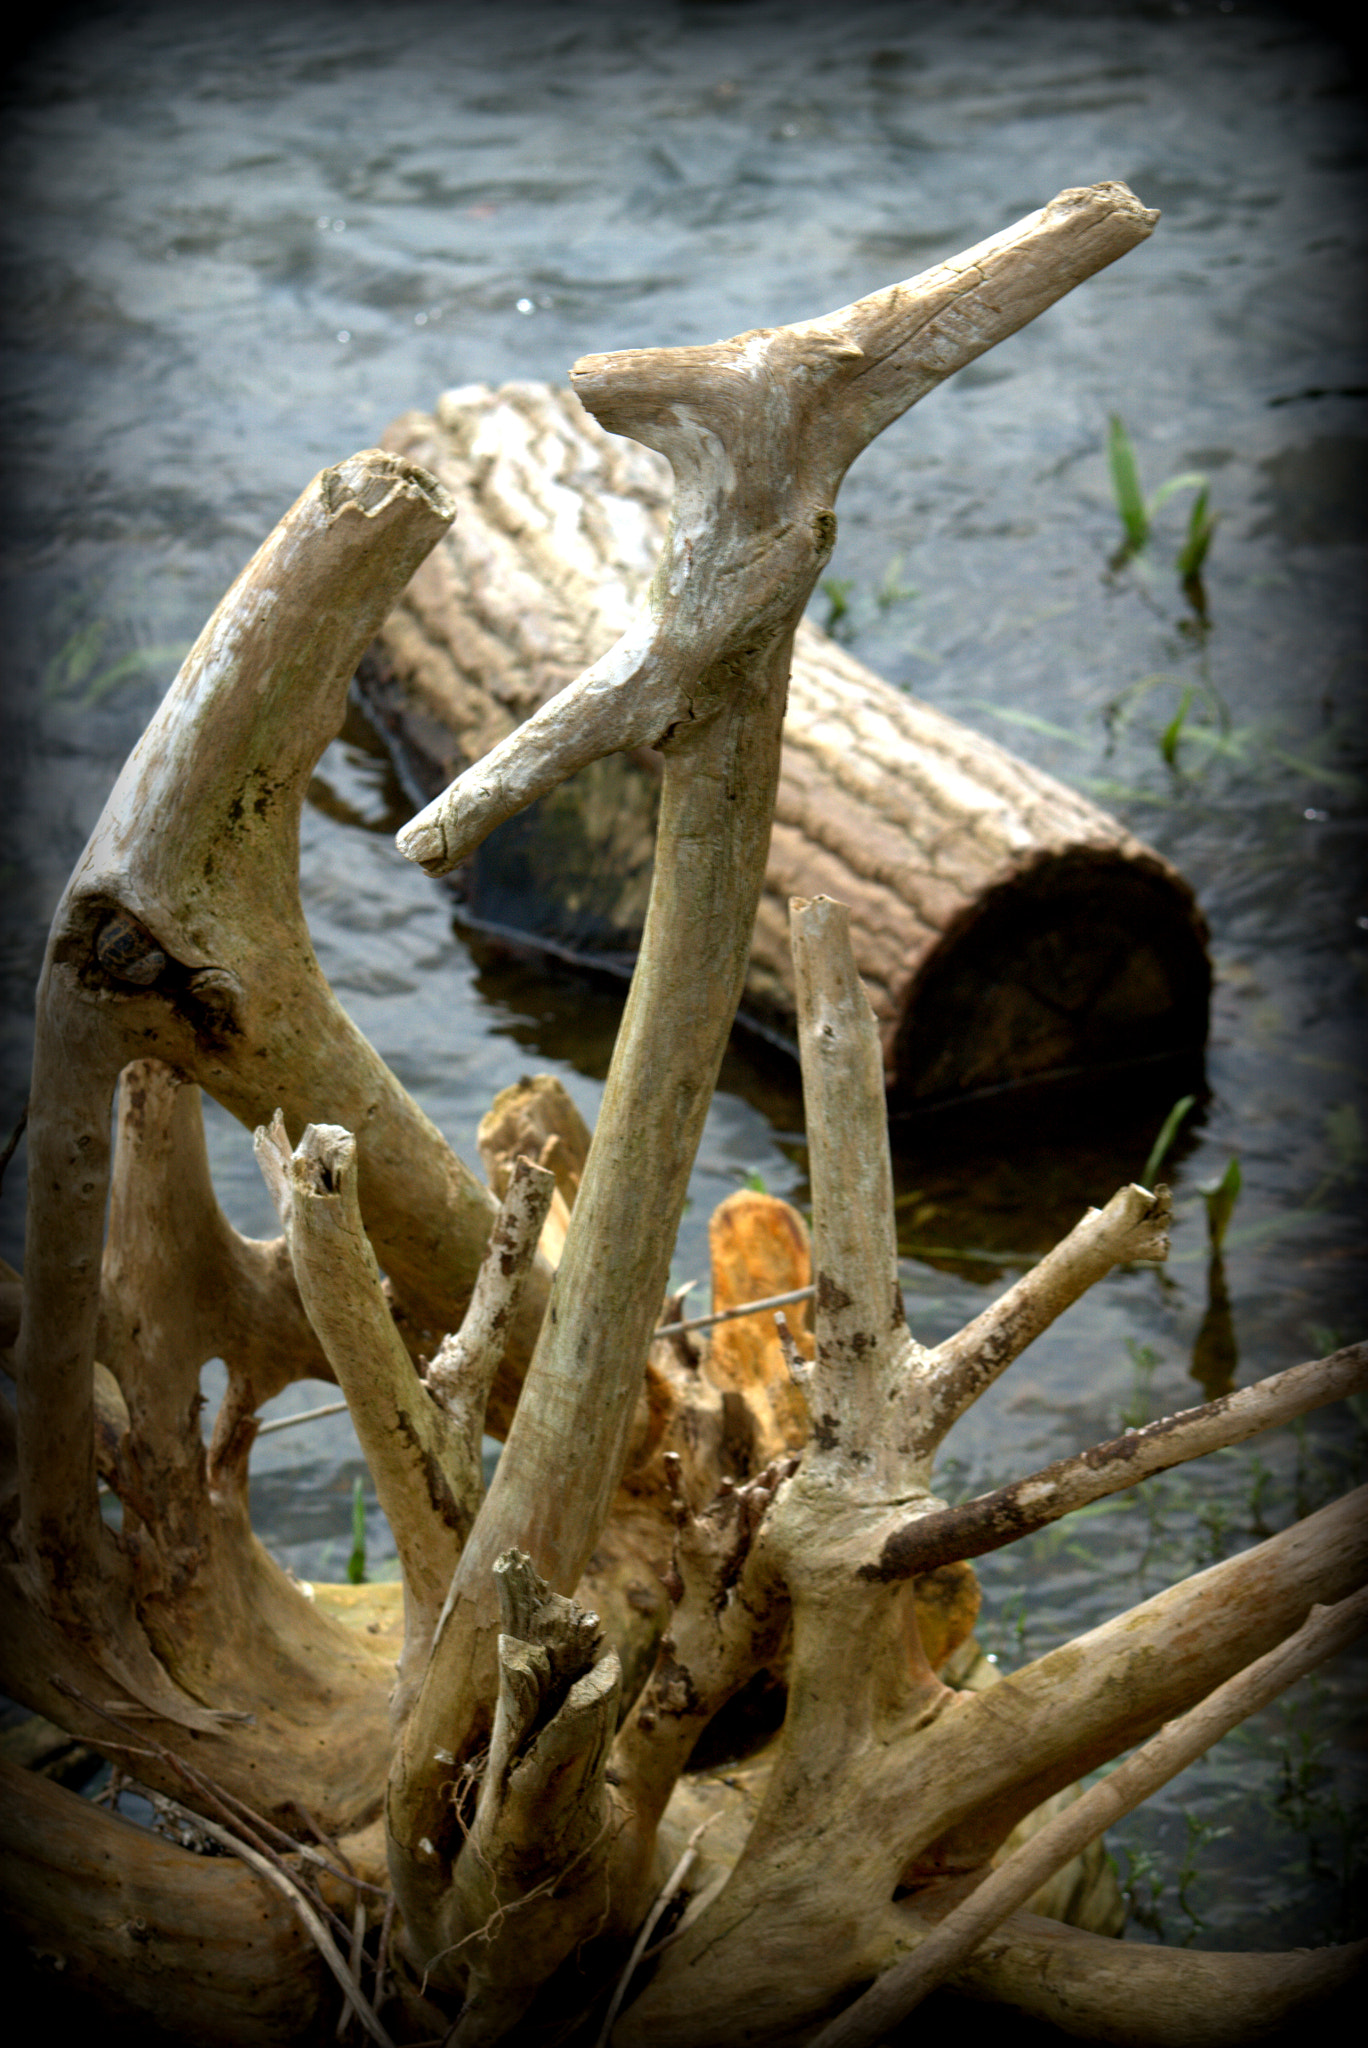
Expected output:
(1007, 929)
(477, 1851)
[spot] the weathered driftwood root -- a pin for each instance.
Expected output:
(529, 1837)
(1325, 1631)
(912, 1789)
(180, 941)
(759, 432)
(987, 901)
(145, 1929)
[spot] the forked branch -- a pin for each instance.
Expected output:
(759, 431)
(422, 1441)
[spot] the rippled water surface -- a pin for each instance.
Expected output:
(237, 244)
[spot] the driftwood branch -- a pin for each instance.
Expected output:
(463, 1368)
(792, 404)
(1134, 1225)
(866, 1361)
(427, 1476)
(1069, 1712)
(273, 1874)
(759, 432)
(1129, 1992)
(994, 1519)
(1325, 1632)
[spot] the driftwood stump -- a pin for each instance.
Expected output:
(1007, 929)
(480, 1843)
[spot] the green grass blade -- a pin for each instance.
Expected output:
(1028, 720)
(1220, 1197)
(1172, 733)
(1201, 526)
(1168, 1132)
(1125, 476)
(356, 1563)
(1191, 480)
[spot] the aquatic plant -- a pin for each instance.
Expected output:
(1137, 512)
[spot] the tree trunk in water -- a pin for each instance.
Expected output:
(1007, 930)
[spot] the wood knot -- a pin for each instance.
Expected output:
(824, 533)
(128, 951)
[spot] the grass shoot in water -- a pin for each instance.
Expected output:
(356, 1563)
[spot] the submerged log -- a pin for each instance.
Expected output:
(1007, 930)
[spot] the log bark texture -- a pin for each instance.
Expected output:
(1006, 928)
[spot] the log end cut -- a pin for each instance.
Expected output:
(1074, 966)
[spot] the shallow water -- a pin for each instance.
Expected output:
(237, 246)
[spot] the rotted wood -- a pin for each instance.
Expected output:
(1006, 928)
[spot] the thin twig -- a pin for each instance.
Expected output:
(276, 1875)
(382, 1952)
(729, 1315)
(667, 1892)
(357, 1951)
(304, 1415)
(993, 1520)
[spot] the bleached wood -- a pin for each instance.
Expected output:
(759, 432)
(928, 1802)
(198, 850)
(1325, 1632)
(525, 1842)
(866, 1364)
(865, 365)
(223, 1961)
(1133, 1226)
(462, 1370)
(1138, 1996)
(426, 1472)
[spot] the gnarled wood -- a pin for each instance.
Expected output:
(759, 432)
(528, 1840)
(151, 1934)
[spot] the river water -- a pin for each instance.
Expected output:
(238, 243)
